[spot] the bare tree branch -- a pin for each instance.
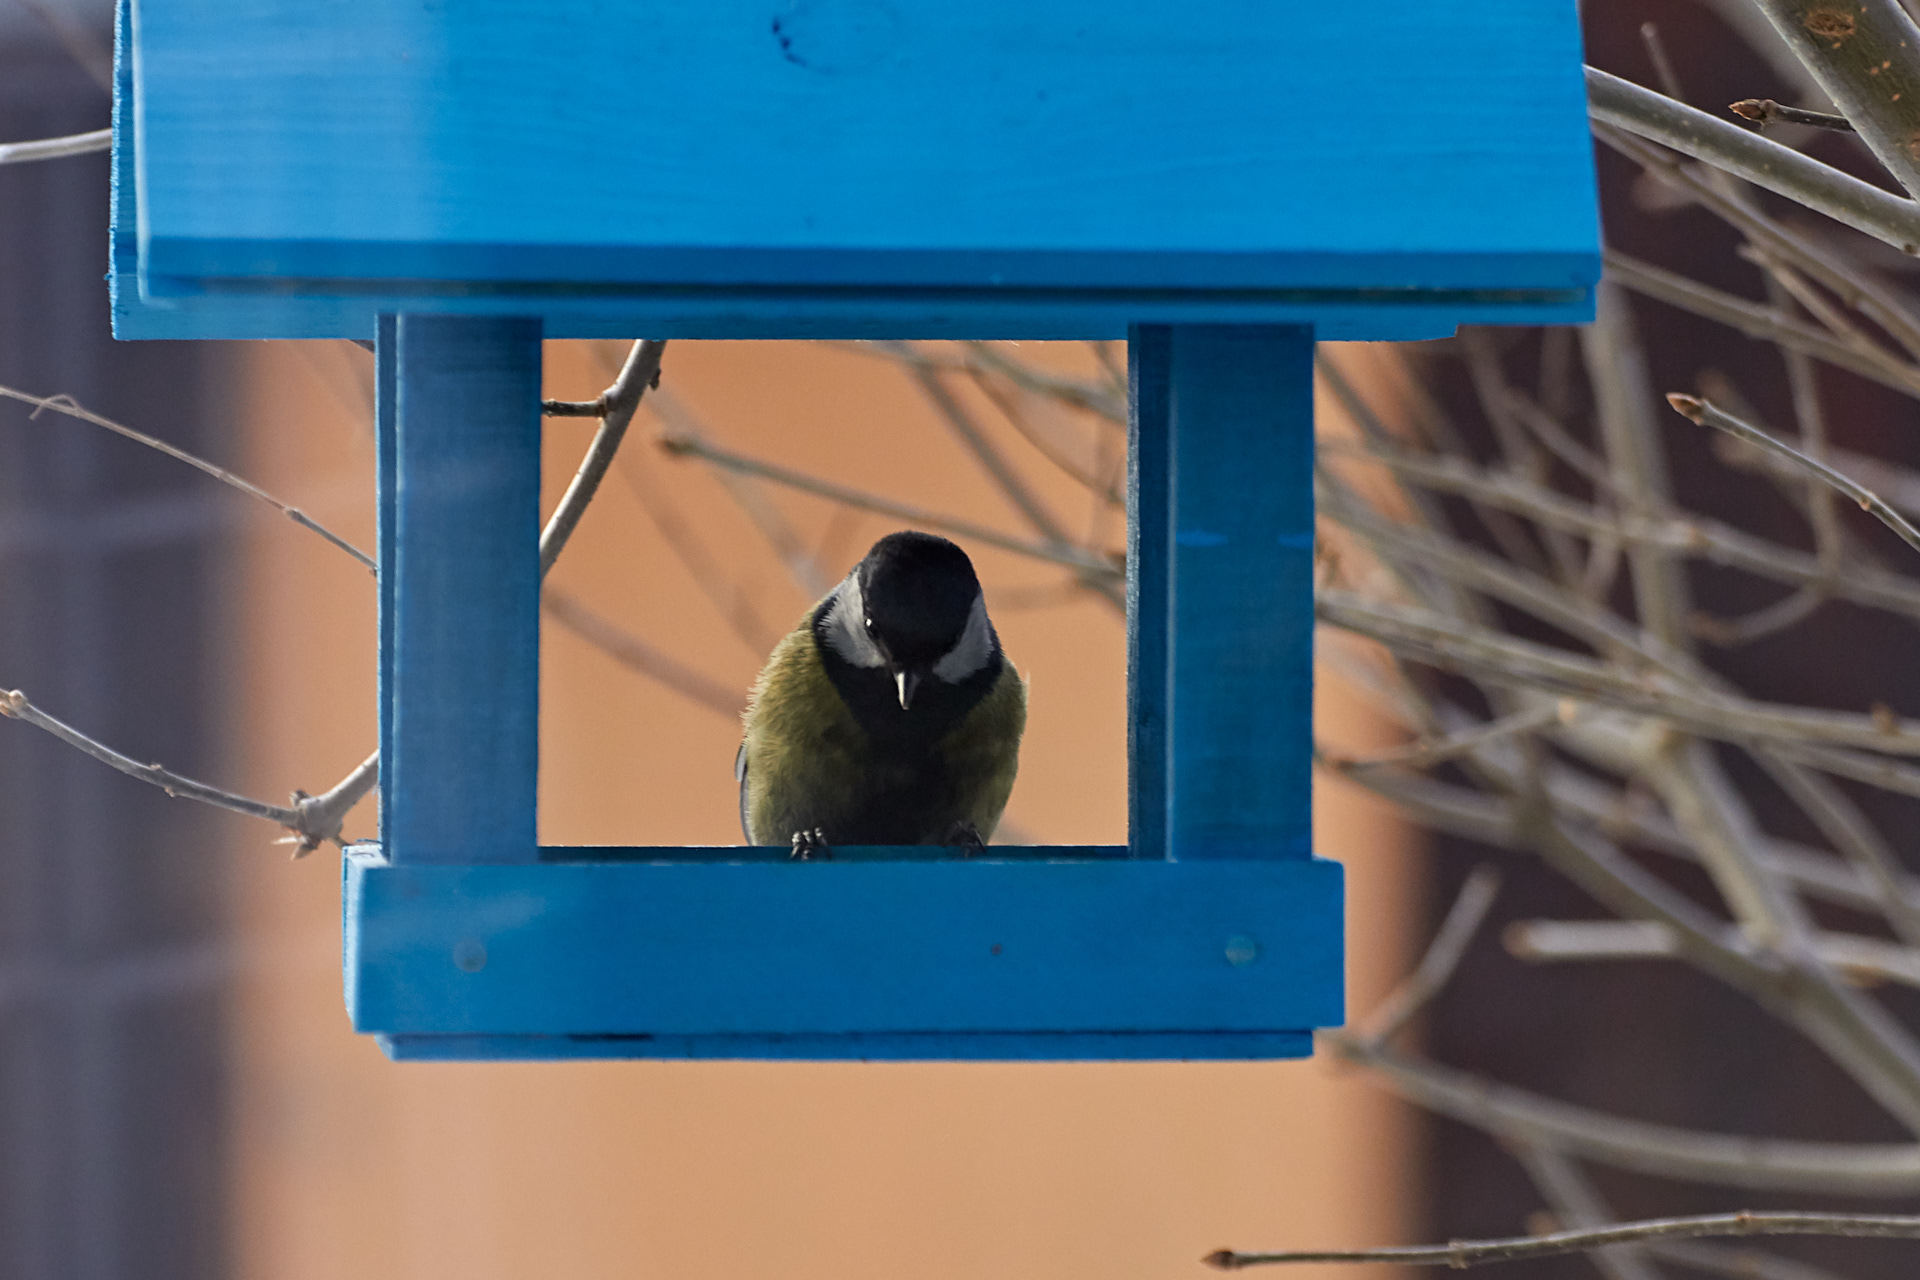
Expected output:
(635, 654)
(1865, 54)
(1435, 638)
(617, 405)
(1706, 413)
(1435, 970)
(684, 444)
(14, 705)
(73, 144)
(1759, 160)
(1664, 1151)
(66, 406)
(1585, 941)
(1467, 1253)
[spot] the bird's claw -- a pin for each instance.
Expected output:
(966, 838)
(811, 846)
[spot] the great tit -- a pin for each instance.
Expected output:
(889, 715)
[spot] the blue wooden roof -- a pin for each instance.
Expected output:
(765, 168)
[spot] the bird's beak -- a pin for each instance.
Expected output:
(906, 682)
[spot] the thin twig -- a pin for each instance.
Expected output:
(1467, 1253)
(314, 820)
(722, 588)
(618, 403)
(1875, 771)
(1805, 248)
(66, 406)
(1585, 941)
(1577, 798)
(1506, 660)
(14, 705)
(682, 444)
(1621, 1142)
(637, 655)
(1663, 69)
(1007, 401)
(1436, 967)
(1706, 413)
(1009, 481)
(1758, 320)
(1707, 540)
(1517, 445)
(1765, 111)
(1849, 831)
(1427, 753)
(794, 554)
(1782, 615)
(973, 357)
(1899, 486)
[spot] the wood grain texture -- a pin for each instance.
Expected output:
(1022, 947)
(733, 166)
(462, 500)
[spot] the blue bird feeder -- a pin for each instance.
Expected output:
(1220, 182)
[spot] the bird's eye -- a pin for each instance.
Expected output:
(869, 623)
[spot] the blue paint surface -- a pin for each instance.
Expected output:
(971, 1046)
(1213, 935)
(461, 576)
(1149, 586)
(999, 169)
(1216, 184)
(1221, 578)
(1039, 947)
(386, 487)
(302, 309)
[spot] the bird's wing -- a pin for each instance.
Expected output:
(740, 776)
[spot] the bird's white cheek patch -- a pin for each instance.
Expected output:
(847, 629)
(972, 650)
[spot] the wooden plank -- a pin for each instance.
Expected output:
(1000, 146)
(273, 308)
(784, 949)
(994, 143)
(460, 755)
(1149, 602)
(1222, 562)
(972, 1046)
(386, 488)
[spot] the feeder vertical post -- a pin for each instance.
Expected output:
(460, 585)
(1220, 586)
(386, 356)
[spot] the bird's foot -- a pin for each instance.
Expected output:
(811, 846)
(966, 838)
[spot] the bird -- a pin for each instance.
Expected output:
(889, 715)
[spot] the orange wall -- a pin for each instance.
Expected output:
(348, 1165)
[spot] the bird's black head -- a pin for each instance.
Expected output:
(918, 591)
